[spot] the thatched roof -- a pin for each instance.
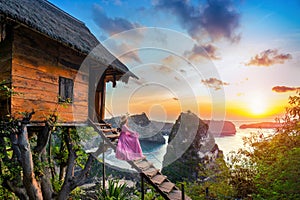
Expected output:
(47, 19)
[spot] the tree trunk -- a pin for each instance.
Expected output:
(71, 182)
(19, 192)
(66, 187)
(40, 149)
(31, 185)
(46, 185)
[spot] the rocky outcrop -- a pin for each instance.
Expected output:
(220, 128)
(147, 130)
(190, 147)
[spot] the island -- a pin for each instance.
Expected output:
(262, 125)
(221, 128)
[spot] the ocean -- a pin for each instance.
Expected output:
(235, 142)
(156, 152)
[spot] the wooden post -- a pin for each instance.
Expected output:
(142, 187)
(182, 191)
(206, 193)
(103, 166)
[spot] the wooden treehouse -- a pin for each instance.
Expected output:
(42, 51)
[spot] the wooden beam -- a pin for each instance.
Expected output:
(142, 186)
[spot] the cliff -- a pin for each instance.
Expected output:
(165, 127)
(220, 128)
(190, 147)
(147, 130)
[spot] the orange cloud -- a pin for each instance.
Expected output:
(169, 60)
(164, 69)
(282, 89)
(269, 57)
(214, 83)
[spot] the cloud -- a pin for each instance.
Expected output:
(111, 25)
(131, 53)
(141, 81)
(182, 71)
(214, 83)
(164, 69)
(282, 89)
(169, 60)
(177, 79)
(205, 51)
(269, 57)
(218, 18)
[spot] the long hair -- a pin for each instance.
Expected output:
(123, 120)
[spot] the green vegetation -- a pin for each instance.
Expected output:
(267, 168)
(115, 191)
(40, 162)
(45, 161)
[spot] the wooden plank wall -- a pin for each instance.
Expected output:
(36, 66)
(5, 67)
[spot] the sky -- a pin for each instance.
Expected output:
(234, 60)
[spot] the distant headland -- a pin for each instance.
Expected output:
(264, 125)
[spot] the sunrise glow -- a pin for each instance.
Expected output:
(257, 106)
(240, 64)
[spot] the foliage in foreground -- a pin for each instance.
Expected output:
(115, 191)
(267, 168)
(39, 162)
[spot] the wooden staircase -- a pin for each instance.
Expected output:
(152, 175)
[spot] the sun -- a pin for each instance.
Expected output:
(257, 106)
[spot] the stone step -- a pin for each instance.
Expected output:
(166, 186)
(158, 179)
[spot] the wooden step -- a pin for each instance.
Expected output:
(166, 186)
(144, 165)
(112, 136)
(177, 195)
(158, 179)
(139, 160)
(154, 177)
(105, 130)
(101, 126)
(151, 172)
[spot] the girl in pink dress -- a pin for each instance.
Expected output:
(128, 147)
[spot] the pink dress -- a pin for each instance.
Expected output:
(129, 147)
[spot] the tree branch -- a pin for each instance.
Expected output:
(43, 139)
(15, 146)
(19, 192)
(83, 174)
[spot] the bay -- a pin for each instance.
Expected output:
(155, 152)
